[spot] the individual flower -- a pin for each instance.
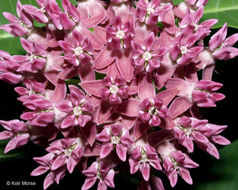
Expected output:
(152, 111)
(79, 51)
(116, 137)
(115, 90)
(183, 50)
(188, 130)
(99, 171)
(177, 163)
(67, 151)
(34, 61)
(147, 57)
(15, 130)
(79, 110)
(18, 26)
(221, 46)
(119, 35)
(142, 157)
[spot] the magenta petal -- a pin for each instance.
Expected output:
(185, 174)
(104, 112)
(145, 171)
(49, 180)
(89, 132)
(106, 150)
(58, 162)
(68, 122)
(130, 107)
(173, 178)
(103, 59)
(16, 142)
(121, 152)
(39, 170)
(92, 87)
(71, 164)
(5, 135)
(179, 106)
(88, 183)
(124, 65)
(146, 88)
(139, 129)
(167, 95)
(109, 179)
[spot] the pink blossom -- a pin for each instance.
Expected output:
(99, 171)
(67, 151)
(103, 81)
(114, 137)
(188, 130)
(34, 61)
(78, 110)
(80, 51)
(178, 163)
(183, 50)
(221, 46)
(152, 110)
(8, 69)
(120, 35)
(18, 27)
(15, 130)
(147, 57)
(115, 90)
(142, 158)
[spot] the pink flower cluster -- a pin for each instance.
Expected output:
(104, 84)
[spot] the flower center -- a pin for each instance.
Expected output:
(184, 50)
(31, 57)
(150, 10)
(196, 27)
(115, 139)
(144, 157)
(77, 110)
(114, 89)
(120, 34)
(153, 111)
(78, 50)
(147, 56)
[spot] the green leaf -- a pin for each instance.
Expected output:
(10, 43)
(224, 171)
(223, 10)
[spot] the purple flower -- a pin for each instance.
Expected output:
(79, 111)
(119, 35)
(99, 171)
(34, 61)
(177, 163)
(147, 57)
(79, 51)
(152, 111)
(116, 137)
(142, 158)
(221, 46)
(188, 130)
(115, 90)
(15, 130)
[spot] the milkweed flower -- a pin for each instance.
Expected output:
(115, 86)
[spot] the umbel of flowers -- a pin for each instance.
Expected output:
(137, 94)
